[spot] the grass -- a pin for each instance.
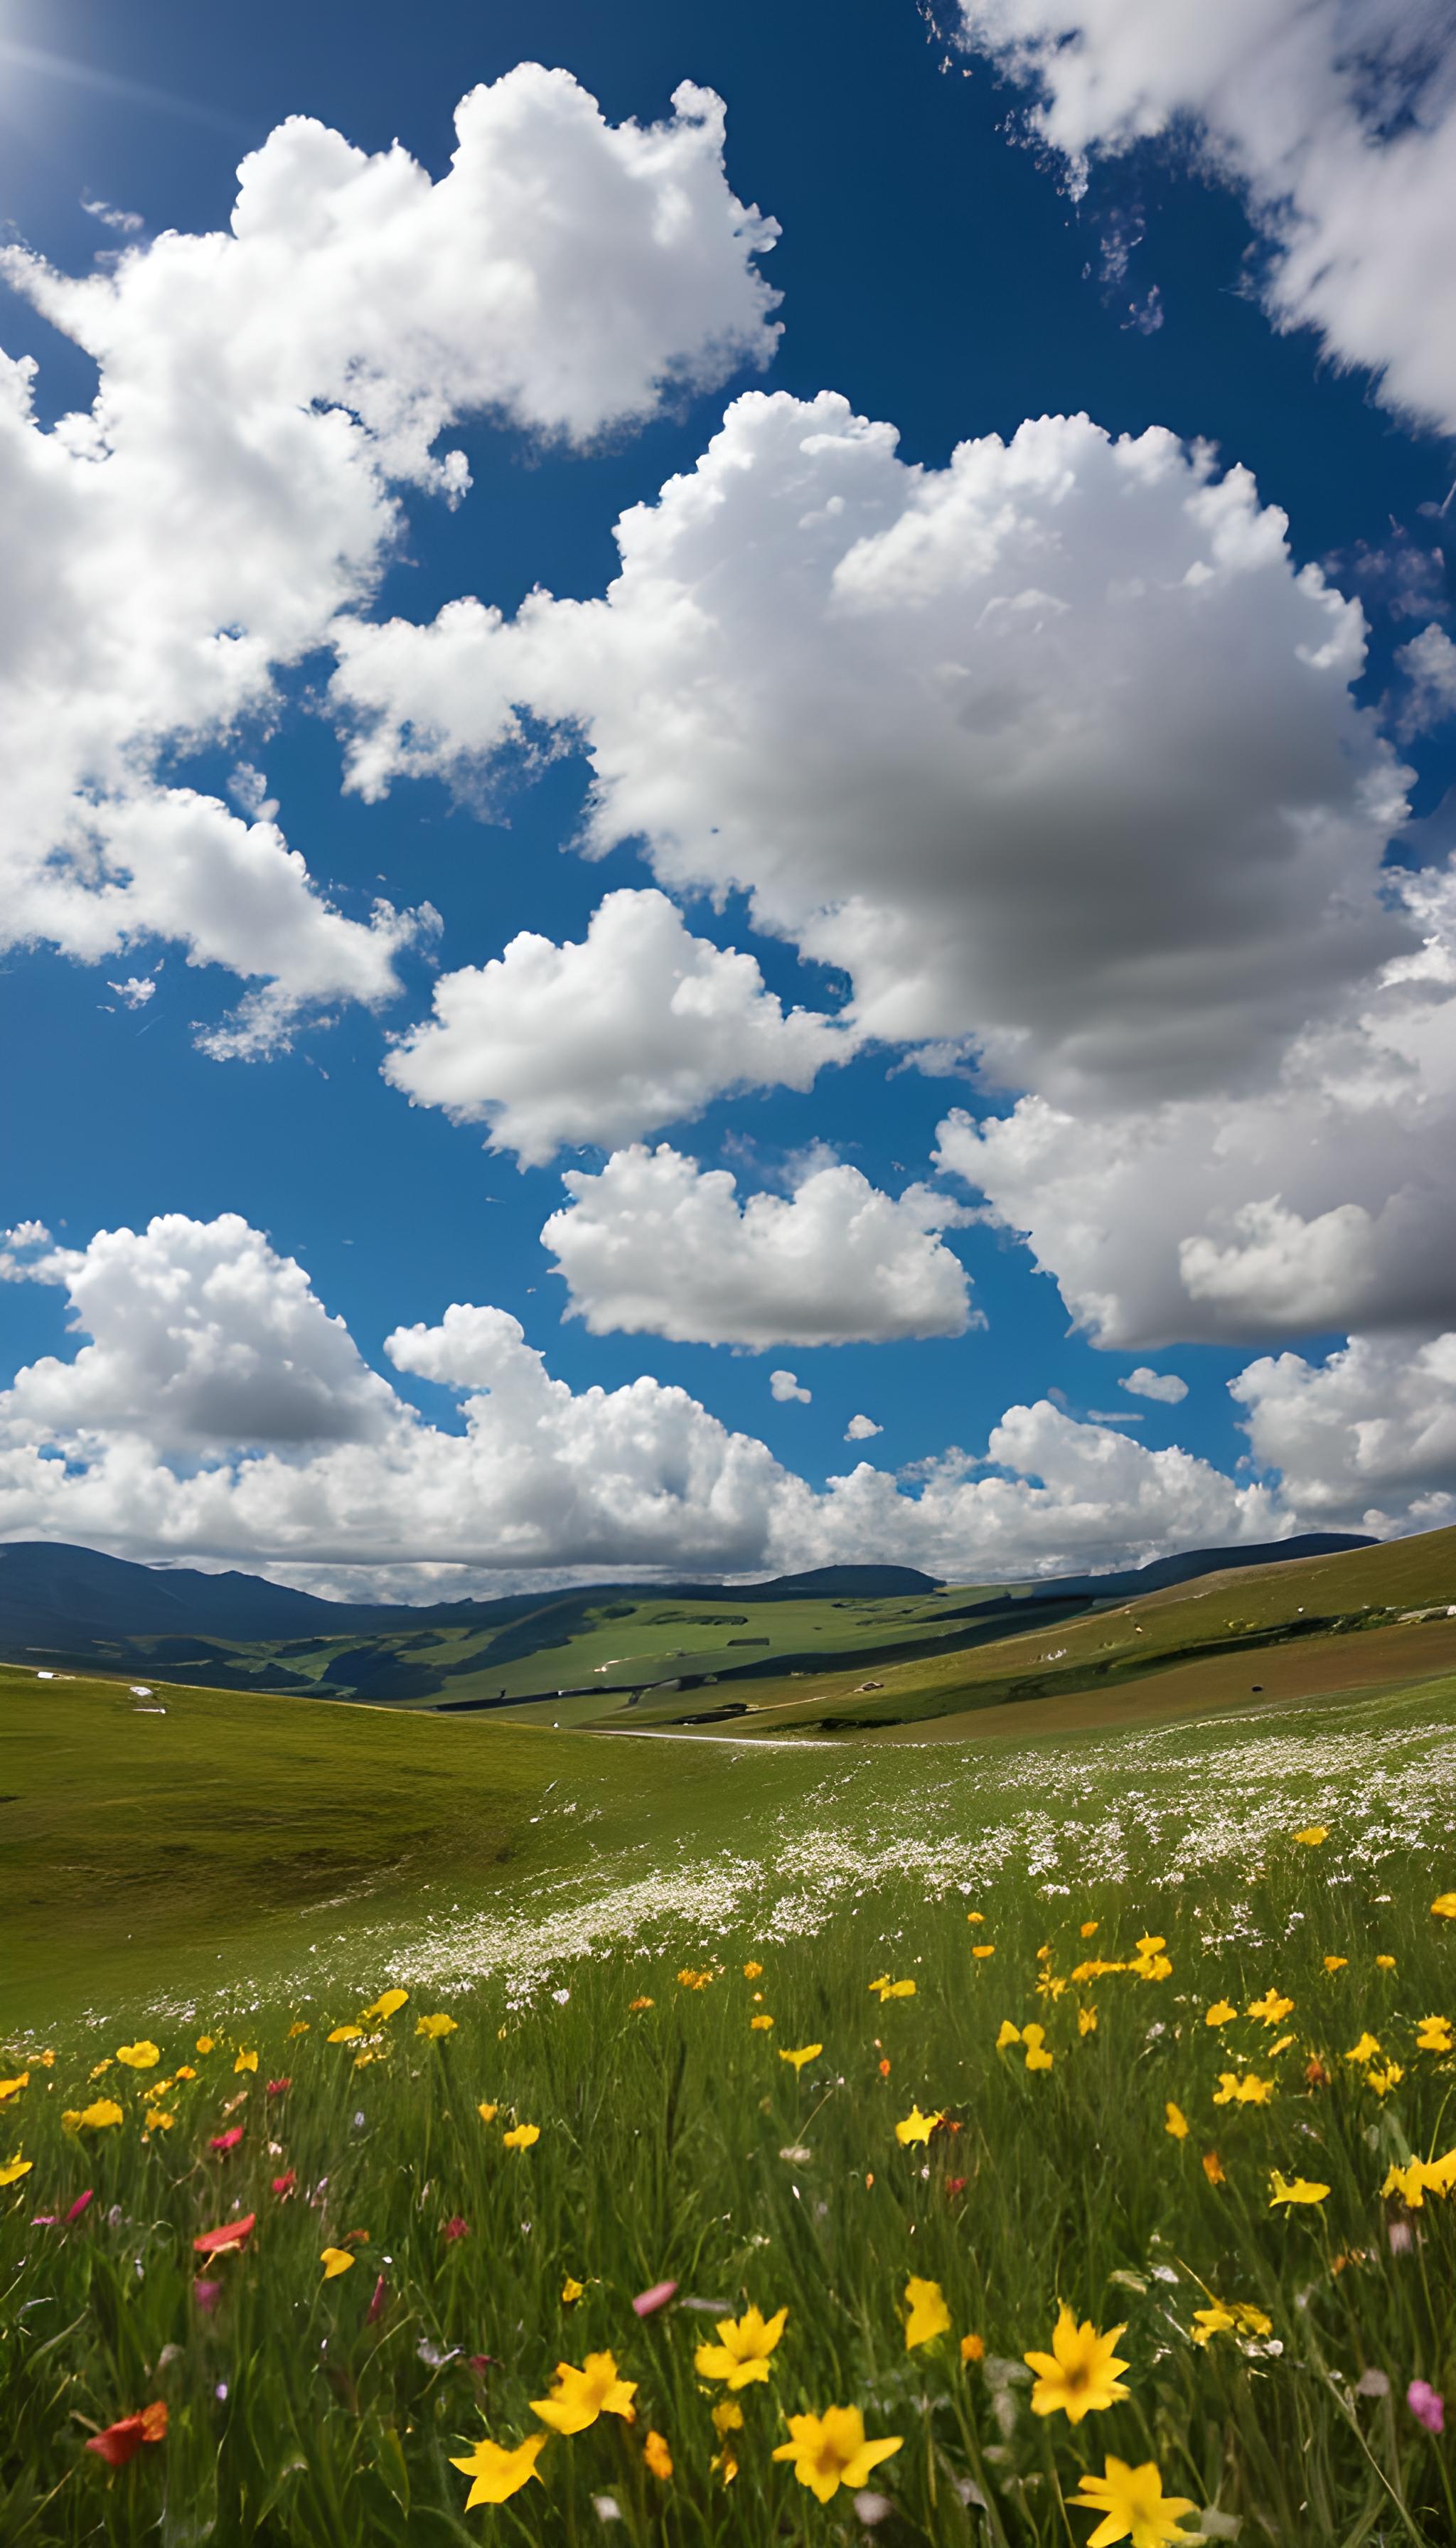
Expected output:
(1309, 1625)
(676, 2145)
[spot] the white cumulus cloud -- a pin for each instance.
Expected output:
(219, 1412)
(264, 391)
(783, 1386)
(1052, 750)
(1337, 119)
(862, 1428)
(638, 1025)
(1164, 1386)
(654, 1244)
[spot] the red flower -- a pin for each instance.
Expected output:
(279, 2087)
(956, 2184)
(376, 2306)
(224, 2141)
(232, 2233)
(284, 2185)
(455, 2227)
(656, 2297)
(80, 2204)
(121, 2441)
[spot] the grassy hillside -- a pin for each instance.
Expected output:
(1313, 1626)
(1017, 1983)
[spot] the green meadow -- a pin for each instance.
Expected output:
(1212, 2122)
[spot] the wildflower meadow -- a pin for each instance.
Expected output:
(1018, 2210)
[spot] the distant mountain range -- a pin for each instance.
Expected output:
(74, 1606)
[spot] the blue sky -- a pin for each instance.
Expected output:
(942, 274)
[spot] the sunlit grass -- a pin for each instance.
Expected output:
(676, 2145)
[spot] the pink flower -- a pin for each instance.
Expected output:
(658, 2297)
(206, 2294)
(279, 2087)
(455, 2227)
(80, 2204)
(284, 2185)
(223, 2143)
(1428, 2406)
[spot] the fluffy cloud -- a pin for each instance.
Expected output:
(862, 1428)
(1337, 118)
(785, 1388)
(1164, 1386)
(1322, 1200)
(1366, 1439)
(639, 1025)
(263, 392)
(1051, 749)
(655, 1246)
(1428, 667)
(202, 1340)
(286, 1451)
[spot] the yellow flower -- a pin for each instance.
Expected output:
(1209, 2322)
(981, 1952)
(1445, 1907)
(1422, 2178)
(727, 2416)
(1282, 2045)
(1033, 2037)
(578, 2398)
(524, 2137)
(11, 2087)
(1050, 1986)
(433, 2028)
(204, 2044)
(892, 1990)
(1213, 2168)
(1247, 2091)
(1386, 1963)
(1008, 2035)
(1271, 2007)
(487, 2112)
(185, 2070)
(659, 2458)
(1313, 1835)
(1365, 2049)
(1086, 2021)
(1079, 2375)
(336, 2261)
(744, 2345)
(694, 1980)
(751, 1971)
(1150, 1946)
(1382, 2081)
(15, 2169)
(498, 2474)
(801, 2054)
(1094, 1968)
(929, 2315)
(139, 2057)
(760, 2024)
(973, 2348)
(388, 2004)
(571, 2289)
(1134, 2506)
(1219, 2012)
(157, 2121)
(96, 2118)
(1336, 1963)
(1088, 1929)
(1176, 2121)
(829, 2451)
(977, 1919)
(1303, 2190)
(346, 2034)
(1434, 2034)
(915, 2127)
(245, 2061)
(1151, 1964)
(641, 2001)
(299, 2026)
